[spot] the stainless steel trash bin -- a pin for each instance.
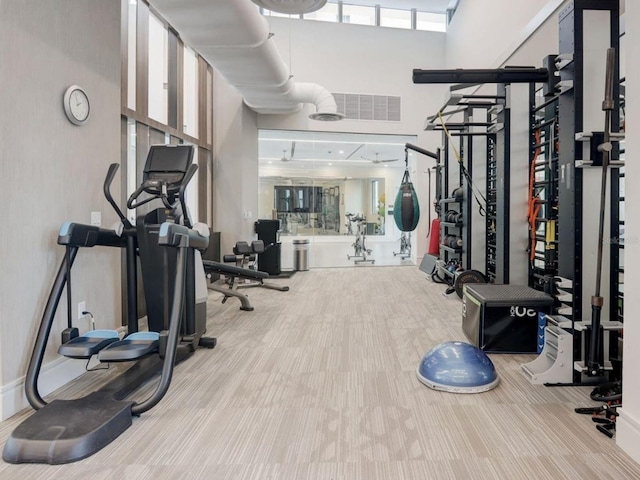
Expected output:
(301, 255)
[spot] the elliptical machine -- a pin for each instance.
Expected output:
(167, 243)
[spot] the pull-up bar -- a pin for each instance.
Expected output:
(409, 146)
(497, 75)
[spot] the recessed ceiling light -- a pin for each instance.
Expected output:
(330, 163)
(384, 166)
(269, 162)
(341, 152)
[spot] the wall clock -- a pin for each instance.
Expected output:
(76, 105)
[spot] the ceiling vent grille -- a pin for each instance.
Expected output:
(356, 106)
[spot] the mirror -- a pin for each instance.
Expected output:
(330, 184)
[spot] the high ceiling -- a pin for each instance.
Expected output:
(303, 148)
(436, 6)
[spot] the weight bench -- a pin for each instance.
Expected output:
(243, 275)
(231, 276)
(246, 256)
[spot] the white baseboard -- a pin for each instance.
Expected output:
(52, 376)
(628, 434)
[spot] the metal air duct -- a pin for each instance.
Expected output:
(235, 39)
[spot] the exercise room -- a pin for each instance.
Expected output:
(319, 239)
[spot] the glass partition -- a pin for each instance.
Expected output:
(328, 186)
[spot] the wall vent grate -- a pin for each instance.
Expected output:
(356, 106)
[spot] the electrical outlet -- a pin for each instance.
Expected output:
(82, 307)
(96, 218)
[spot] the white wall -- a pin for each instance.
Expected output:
(326, 53)
(484, 34)
(52, 171)
(628, 425)
(235, 165)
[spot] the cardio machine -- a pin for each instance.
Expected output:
(360, 250)
(405, 245)
(167, 246)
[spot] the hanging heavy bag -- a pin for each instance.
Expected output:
(406, 211)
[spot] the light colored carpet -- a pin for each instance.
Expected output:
(319, 383)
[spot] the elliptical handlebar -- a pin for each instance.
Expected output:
(183, 187)
(111, 173)
(155, 185)
(132, 204)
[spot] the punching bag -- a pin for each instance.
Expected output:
(406, 211)
(434, 238)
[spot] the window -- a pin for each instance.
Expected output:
(190, 101)
(158, 70)
(132, 181)
(328, 13)
(359, 15)
(434, 22)
(209, 102)
(131, 53)
(390, 17)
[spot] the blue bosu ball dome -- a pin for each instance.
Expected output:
(457, 367)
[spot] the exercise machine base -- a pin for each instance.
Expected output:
(66, 431)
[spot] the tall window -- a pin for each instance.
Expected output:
(190, 103)
(132, 33)
(158, 70)
(169, 99)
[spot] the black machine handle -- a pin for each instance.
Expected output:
(172, 340)
(173, 235)
(191, 171)
(608, 103)
(132, 204)
(37, 354)
(111, 173)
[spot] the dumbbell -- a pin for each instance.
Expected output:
(453, 241)
(452, 216)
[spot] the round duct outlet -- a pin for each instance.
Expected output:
(326, 117)
(291, 7)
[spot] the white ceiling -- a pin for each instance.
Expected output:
(436, 6)
(331, 149)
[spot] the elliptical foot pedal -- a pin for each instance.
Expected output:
(133, 347)
(55, 436)
(89, 344)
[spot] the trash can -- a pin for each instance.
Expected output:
(301, 255)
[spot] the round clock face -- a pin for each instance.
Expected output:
(76, 105)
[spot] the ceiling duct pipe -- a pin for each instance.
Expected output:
(291, 7)
(233, 37)
(305, 93)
